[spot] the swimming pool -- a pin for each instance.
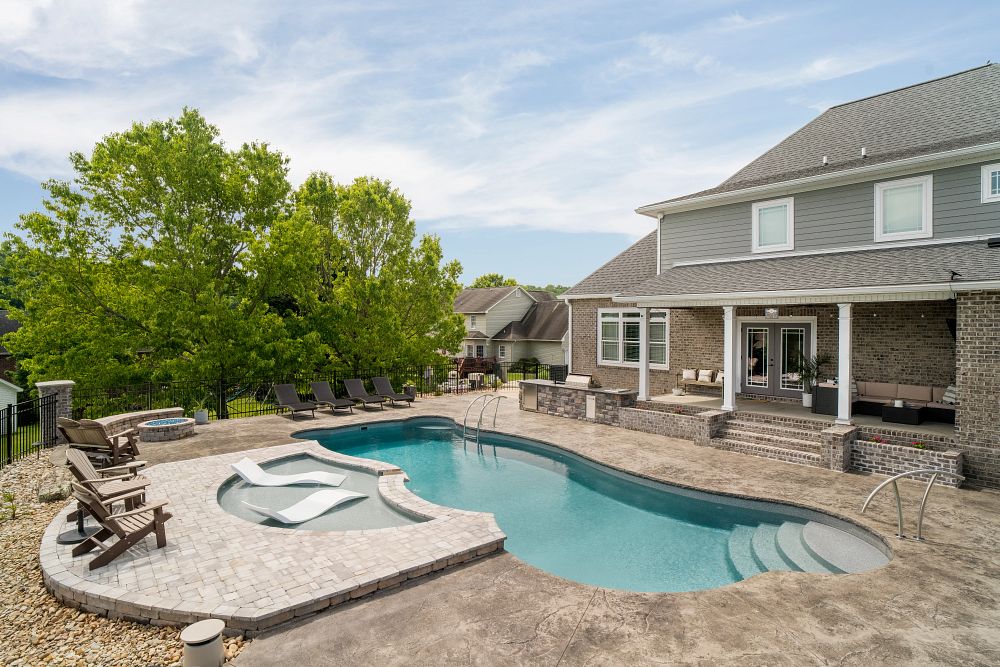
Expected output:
(591, 524)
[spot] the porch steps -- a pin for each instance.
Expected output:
(785, 454)
(772, 436)
(799, 423)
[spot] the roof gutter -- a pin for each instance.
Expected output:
(944, 158)
(832, 293)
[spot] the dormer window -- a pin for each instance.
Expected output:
(903, 209)
(991, 183)
(773, 225)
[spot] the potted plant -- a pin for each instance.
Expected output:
(201, 410)
(809, 369)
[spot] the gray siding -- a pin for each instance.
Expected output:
(843, 216)
(510, 309)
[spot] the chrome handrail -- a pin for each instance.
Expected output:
(899, 503)
(465, 425)
(486, 405)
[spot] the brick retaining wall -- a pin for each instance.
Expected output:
(889, 459)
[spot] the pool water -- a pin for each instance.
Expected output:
(577, 519)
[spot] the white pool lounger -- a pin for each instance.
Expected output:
(310, 507)
(251, 473)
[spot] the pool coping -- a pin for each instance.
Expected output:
(214, 561)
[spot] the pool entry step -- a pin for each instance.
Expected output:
(800, 547)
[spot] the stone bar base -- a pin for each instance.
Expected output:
(575, 401)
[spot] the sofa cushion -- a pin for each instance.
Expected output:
(913, 392)
(859, 388)
(880, 390)
(940, 406)
(950, 395)
(937, 393)
(689, 374)
(720, 377)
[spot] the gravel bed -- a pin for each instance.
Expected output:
(35, 628)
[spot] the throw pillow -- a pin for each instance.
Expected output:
(720, 377)
(689, 374)
(704, 376)
(950, 395)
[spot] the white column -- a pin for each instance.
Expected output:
(644, 354)
(844, 366)
(729, 364)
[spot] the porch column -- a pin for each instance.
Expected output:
(643, 354)
(844, 366)
(729, 364)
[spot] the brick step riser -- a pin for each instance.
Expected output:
(779, 442)
(763, 451)
(769, 429)
(787, 422)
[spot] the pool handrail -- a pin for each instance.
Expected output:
(486, 405)
(899, 503)
(465, 425)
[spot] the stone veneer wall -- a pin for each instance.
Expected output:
(571, 402)
(978, 383)
(889, 459)
(699, 427)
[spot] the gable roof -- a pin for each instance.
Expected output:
(481, 299)
(896, 267)
(541, 295)
(952, 112)
(634, 265)
(546, 320)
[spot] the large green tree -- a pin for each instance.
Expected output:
(386, 296)
(168, 253)
(493, 280)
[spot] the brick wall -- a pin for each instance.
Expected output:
(907, 343)
(889, 459)
(978, 383)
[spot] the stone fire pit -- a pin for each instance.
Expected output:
(162, 430)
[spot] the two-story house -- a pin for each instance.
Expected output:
(871, 234)
(511, 323)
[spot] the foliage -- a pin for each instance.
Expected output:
(493, 280)
(8, 504)
(811, 368)
(555, 290)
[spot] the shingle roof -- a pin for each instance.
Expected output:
(546, 320)
(475, 333)
(632, 266)
(541, 295)
(480, 299)
(880, 267)
(951, 112)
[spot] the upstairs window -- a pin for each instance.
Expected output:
(773, 225)
(903, 209)
(503, 352)
(618, 338)
(472, 321)
(991, 183)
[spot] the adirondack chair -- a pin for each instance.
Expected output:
(108, 483)
(129, 527)
(93, 438)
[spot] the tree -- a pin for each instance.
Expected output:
(164, 256)
(386, 297)
(555, 290)
(492, 280)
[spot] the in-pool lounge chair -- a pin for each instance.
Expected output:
(128, 527)
(310, 507)
(108, 484)
(356, 392)
(323, 393)
(91, 437)
(289, 399)
(251, 473)
(384, 388)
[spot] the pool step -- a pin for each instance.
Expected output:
(840, 551)
(741, 553)
(764, 546)
(789, 542)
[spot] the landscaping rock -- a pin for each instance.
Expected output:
(50, 494)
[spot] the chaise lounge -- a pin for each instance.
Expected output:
(323, 394)
(384, 389)
(289, 399)
(356, 392)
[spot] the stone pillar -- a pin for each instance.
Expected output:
(644, 354)
(63, 390)
(729, 363)
(836, 443)
(844, 366)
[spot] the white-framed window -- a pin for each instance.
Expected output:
(618, 334)
(773, 225)
(991, 183)
(480, 351)
(904, 209)
(472, 321)
(502, 352)
(468, 350)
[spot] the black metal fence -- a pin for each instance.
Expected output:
(26, 428)
(246, 396)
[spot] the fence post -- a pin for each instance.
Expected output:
(223, 411)
(61, 405)
(9, 435)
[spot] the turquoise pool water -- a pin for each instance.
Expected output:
(579, 520)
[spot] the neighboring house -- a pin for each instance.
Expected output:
(511, 323)
(872, 234)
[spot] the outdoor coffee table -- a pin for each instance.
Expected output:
(905, 415)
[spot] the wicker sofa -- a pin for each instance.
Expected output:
(872, 396)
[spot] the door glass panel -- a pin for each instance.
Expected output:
(792, 348)
(757, 356)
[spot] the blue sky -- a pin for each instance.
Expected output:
(524, 133)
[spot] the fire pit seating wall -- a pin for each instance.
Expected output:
(118, 423)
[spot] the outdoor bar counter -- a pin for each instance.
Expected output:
(576, 401)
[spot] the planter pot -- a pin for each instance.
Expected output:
(807, 400)
(677, 391)
(201, 416)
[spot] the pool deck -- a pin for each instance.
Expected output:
(936, 602)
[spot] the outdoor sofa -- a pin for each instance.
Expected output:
(873, 396)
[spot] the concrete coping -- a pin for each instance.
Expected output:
(577, 387)
(54, 384)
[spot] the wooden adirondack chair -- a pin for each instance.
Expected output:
(93, 438)
(130, 527)
(108, 483)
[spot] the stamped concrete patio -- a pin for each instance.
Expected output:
(936, 602)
